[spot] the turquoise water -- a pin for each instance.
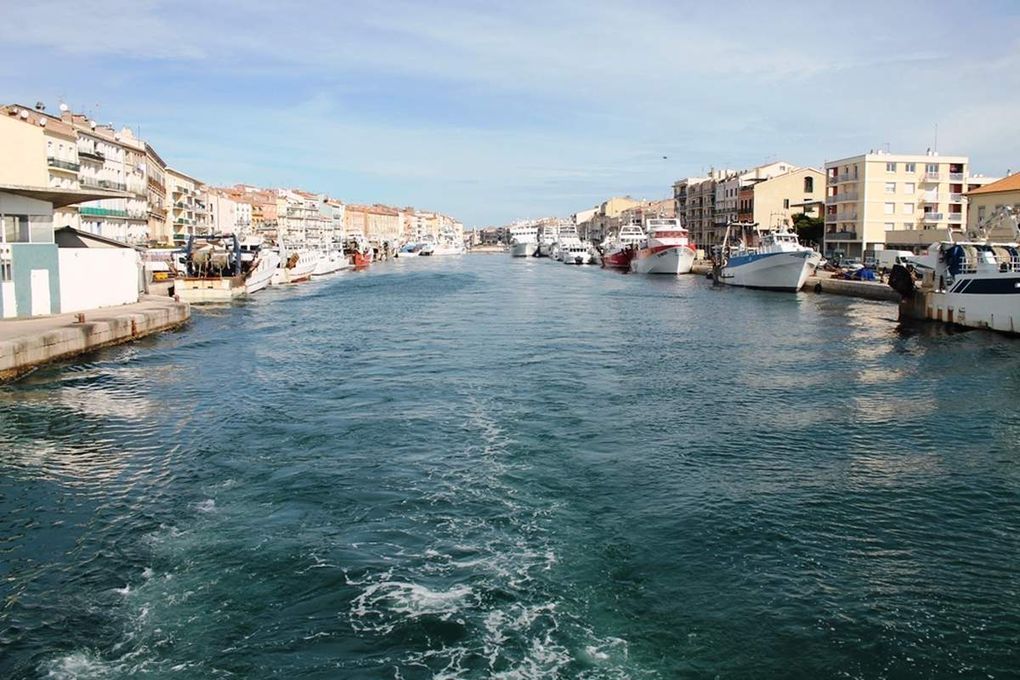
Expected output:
(485, 467)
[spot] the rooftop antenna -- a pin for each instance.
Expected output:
(936, 147)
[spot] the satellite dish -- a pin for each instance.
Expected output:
(42, 122)
(92, 124)
(24, 114)
(64, 107)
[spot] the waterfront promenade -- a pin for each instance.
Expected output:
(26, 344)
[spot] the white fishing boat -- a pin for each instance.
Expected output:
(548, 233)
(667, 249)
(330, 262)
(264, 262)
(972, 283)
(523, 240)
(778, 263)
(296, 265)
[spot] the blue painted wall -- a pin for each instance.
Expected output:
(24, 258)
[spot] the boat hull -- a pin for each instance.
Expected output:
(576, 258)
(671, 260)
(523, 249)
(995, 305)
(785, 271)
(618, 259)
(262, 275)
(203, 290)
(328, 263)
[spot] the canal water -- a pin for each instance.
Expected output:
(484, 467)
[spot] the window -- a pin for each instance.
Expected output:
(5, 271)
(809, 185)
(786, 204)
(908, 225)
(890, 208)
(890, 187)
(890, 226)
(910, 167)
(908, 208)
(890, 167)
(908, 187)
(981, 213)
(27, 229)
(932, 168)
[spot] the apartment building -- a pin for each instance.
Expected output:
(223, 211)
(156, 203)
(377, 223)
(606, 217)
(59, 144)
(728, 188)
(186, 213)
(879, 200)
(773, 201)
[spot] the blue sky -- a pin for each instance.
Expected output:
(493, 111)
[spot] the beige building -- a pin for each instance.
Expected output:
(605, 218)
(155, 181)
(695, 200)
(727, 190)
(984, 201)
(55, 142)
(772, 202)
(23, 144)
(878, 200)
(186, 211)
(377, 223)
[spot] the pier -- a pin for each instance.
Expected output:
(26, 344)
(869, 290)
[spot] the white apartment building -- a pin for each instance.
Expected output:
(878, 200)
(186, 211)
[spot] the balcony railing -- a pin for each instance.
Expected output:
(846, 217)
(956, 217)
(933, 217)
(62, 164)
(89, 182)
(102, 212)
(91, 154)
(933, 176)
(841, 236)
(844, 197)
(956, 177)
(955, 198)
(117, 186)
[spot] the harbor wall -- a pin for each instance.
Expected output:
(869, 290)
(26, 345)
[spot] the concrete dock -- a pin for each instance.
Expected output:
(869, 290)
(26, 344)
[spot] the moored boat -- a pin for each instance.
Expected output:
(618, 250)
(523, 240)
(778, 263)
(296, 265)
(974, 283)
(665, 250)
(330, 262)
(216, 269)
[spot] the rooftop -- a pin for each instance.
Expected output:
(1011, 183)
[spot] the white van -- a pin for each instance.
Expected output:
(888, 258)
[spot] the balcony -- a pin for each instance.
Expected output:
(116, 186)
(102, 212)
(138, 214)
(846, 196)
(846, 217)
(91, 154)
(830, 218)
(956, 177)
(933, 177)
(955, 198)
(956, 217)
(841, 236)
(62, 165)
(90, 182)
(931, 217)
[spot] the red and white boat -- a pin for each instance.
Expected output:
(619, 250)
(666, 250)
(358, 250)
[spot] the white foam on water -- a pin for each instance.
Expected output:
(78, 666)
(208, 505)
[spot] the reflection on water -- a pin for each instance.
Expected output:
(485, 467)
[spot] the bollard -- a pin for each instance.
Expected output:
(79, 318)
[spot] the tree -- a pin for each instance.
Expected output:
(808, 228)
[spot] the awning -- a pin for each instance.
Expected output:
(61, 198)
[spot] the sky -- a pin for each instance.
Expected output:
(493, 111)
